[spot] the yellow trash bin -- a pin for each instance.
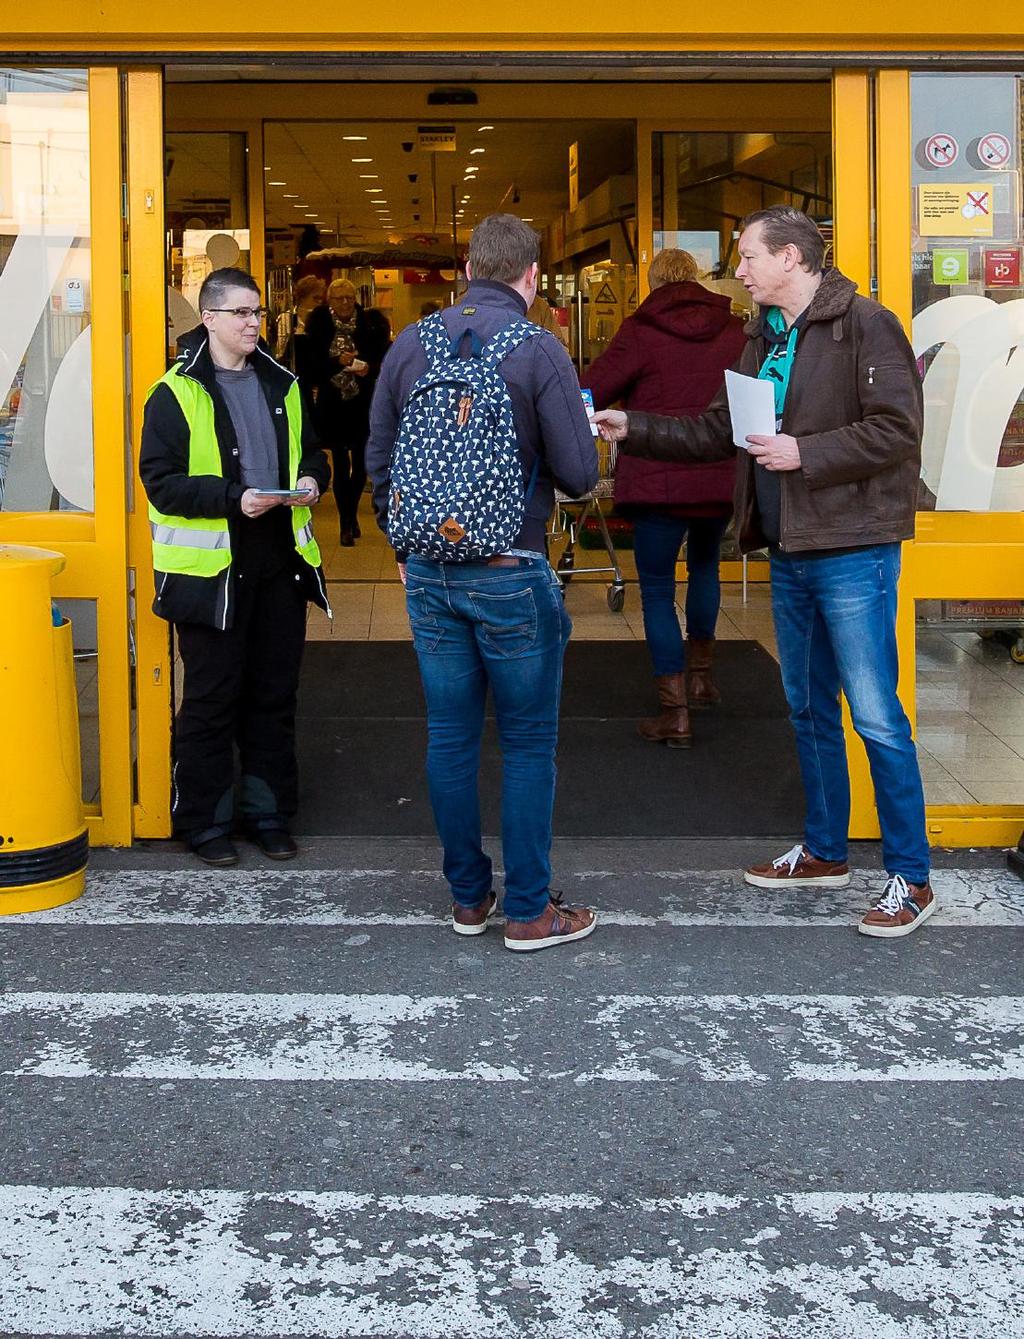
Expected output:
(44, 843)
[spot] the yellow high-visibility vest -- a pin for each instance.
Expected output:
(201, 546)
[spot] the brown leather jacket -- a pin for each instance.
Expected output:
(854, 405)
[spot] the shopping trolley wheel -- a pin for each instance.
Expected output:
(616, 598)
(1017, 651)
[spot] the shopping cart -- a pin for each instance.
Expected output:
(995, 620)
(572, 513)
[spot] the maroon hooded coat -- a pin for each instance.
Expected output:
(669, 358)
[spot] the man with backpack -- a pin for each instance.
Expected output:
(476, 416)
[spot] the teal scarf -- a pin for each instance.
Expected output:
(778, 365)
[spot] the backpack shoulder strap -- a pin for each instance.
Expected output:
(434, 337)
(509, 337)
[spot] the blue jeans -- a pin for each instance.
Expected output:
(472, 626)
(657, 539)
(835, 621)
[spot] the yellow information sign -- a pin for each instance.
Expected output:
(955, 210)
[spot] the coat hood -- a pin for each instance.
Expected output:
(686, 310)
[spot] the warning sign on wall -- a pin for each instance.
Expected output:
(955, 210)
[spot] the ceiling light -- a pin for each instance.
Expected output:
(369, 176)
(478, 150)
(277, 183)
(353, 137)
(372, 190)
(290, 196)
(268, 169)
(481, 128)
(362, 160)
(527, 220)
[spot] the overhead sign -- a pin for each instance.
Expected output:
(956, 210)
(436, 139)
(1002, 267)
(994, 149)
(949, 265)
(941, 150)
(574, 175)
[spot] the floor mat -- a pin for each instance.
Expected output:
(362, 742)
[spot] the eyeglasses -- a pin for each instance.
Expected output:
(243, 313)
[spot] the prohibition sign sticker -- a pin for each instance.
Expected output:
(941, 150)
(994, 149)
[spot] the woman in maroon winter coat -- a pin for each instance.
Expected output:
(668, 358)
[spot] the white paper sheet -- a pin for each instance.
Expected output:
(751, 407)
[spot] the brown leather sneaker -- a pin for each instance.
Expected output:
(473, 920)
(797, 869)
(902, 908)
(558, 925)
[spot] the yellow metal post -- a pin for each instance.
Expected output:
(112, 826)
(147, 317)
(851, 151)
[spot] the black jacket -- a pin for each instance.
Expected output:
(341, 422)
(551, 421)
(163, 467)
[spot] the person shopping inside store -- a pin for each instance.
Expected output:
(345, 350)
(668, 358)
(230, 466)
(832, 492)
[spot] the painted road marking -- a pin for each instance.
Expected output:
(103, 1260)
(678, 898)
(430, 1039)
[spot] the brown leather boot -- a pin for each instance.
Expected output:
(699, 654)
(672, 727)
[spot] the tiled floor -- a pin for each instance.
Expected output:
(368, 603)
(970, 719)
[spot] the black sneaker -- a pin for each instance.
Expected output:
(217, 851)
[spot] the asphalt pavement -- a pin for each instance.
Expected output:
(286, 1100)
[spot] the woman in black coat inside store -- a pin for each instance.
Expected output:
(345, 349)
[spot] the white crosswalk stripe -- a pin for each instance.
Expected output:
(678, 898)
(625, 1038)
(103, 1260)
(752, 1075)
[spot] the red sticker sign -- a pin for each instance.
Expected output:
(1002, 267)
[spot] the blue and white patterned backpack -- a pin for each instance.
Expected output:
(456, 491)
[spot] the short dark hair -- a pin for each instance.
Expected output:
(503, 247)
(217, 283)
(781, 226)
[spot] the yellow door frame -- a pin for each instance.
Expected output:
(95, 544)
(954, 554)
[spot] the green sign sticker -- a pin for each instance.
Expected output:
(949, 265)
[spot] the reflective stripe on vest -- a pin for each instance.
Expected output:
(202, 546)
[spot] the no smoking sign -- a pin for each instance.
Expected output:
(994, 149)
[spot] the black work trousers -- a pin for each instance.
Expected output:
(240, 688)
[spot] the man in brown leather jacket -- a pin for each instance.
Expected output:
(831, 492)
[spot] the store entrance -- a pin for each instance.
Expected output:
(386, 204)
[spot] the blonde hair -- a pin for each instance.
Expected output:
(306, 287)
(672, 266)
(341, 287)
